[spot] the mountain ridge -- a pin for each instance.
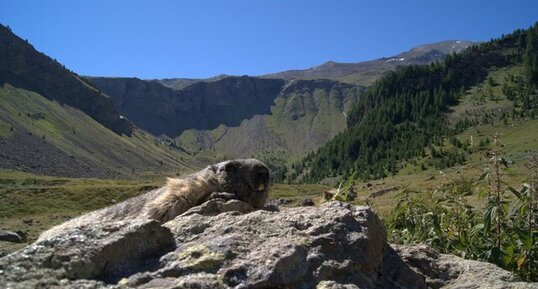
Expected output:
(424, 53)
(169, 91)
(23, 66)
(365, 72)
(202, 105)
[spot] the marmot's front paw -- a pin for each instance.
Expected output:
(223, 195)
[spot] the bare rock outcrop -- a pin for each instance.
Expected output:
(223, 244)
(448, 271)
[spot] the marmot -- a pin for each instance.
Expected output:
(243, 179)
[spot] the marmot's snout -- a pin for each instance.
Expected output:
(261, 178)
(258, 178)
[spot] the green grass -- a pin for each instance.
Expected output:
(5, 129)
(33, 203)
(297, 193)
(519, 140)
(484, 96)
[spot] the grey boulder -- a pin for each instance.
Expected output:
(224, 244)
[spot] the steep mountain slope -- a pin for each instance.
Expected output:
(305, 115)
(404, 114)
(46, 137)
(365, 73)
(52, 122)
(203, 105)
(25, 67)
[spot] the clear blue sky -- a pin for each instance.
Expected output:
(202, 38)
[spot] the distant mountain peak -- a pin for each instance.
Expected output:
(366, 72)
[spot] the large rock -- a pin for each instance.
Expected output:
(333, 246)
(448, 271)
(15, 237)
(101, 252)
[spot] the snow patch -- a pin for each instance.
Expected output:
(395, 59)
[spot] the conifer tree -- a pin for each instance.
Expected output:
(531, 56)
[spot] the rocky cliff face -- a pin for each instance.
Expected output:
(237, 116)
(224, 245)
(204, 105)
(24, 67)
(304, 116)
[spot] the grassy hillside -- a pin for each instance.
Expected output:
(519, 139)
(42, 136)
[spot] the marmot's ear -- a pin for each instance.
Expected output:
(231, 166)
(213, 168)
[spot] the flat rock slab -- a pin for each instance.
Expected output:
(335, 245)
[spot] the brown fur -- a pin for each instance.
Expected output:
(244, 179)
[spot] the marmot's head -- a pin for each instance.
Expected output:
(248, 179)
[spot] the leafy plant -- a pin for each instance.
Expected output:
(503, 232)
(346, 192)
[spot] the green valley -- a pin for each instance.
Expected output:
(439, 136)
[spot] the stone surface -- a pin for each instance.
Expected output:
(10, 236)
(90, 256)
(307, 202)
(224, 244)
(216, 206)
(448, 271)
